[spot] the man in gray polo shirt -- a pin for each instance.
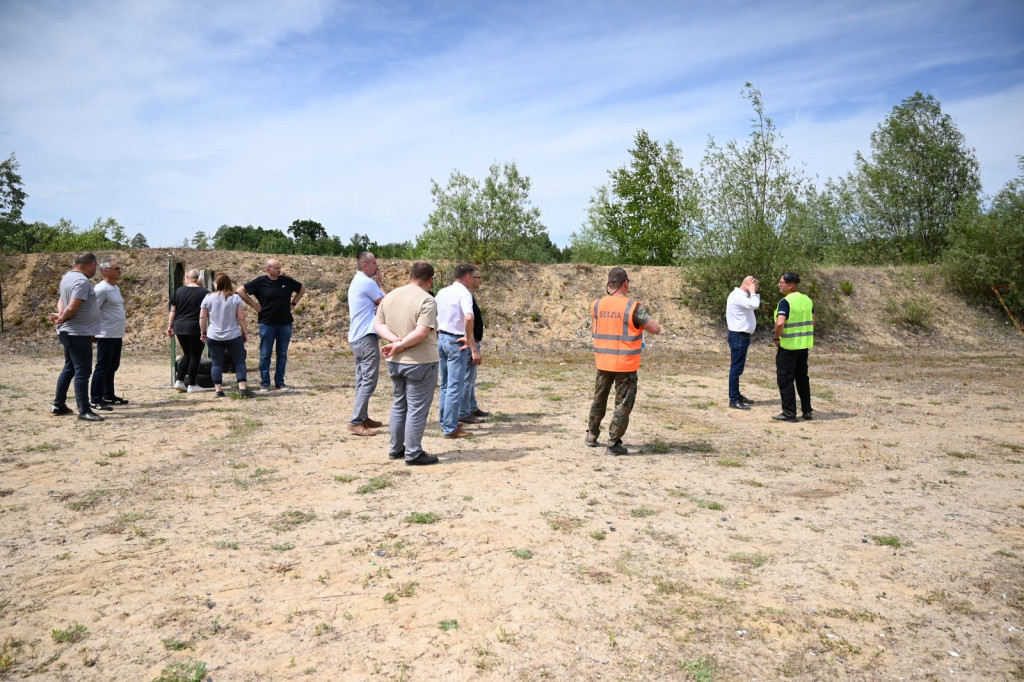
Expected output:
(78, 321)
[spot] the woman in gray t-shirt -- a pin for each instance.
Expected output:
(222, 328)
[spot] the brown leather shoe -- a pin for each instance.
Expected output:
(372, 423)
(458, 433)
(361, 430)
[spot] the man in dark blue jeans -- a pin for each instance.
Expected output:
(78, 321)
(740, 318)
(277, 296)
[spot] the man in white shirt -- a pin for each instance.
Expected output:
(364, 295)
(739, 315)
(454, 317)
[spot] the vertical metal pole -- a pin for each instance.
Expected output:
(172, 264)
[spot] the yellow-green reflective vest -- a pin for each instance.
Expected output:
(798, 331)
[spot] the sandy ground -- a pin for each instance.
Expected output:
(259, 540)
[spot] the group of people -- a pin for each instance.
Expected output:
(426, 337)
(84, 313)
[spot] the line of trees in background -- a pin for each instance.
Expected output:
(915, 197)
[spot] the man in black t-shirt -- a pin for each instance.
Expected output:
(276, 296)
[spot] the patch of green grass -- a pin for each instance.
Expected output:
(345, 478)
(599, 535)
(522, 553)
(703, 404)
(116, 453)
(226, 544)
(958, 472)
(752, 482)
(420, 517)
(747, 559)
(562, 521)
(189, 671)
(888, 541)
(447, 625)
(375, 483)
(729, 462)
(87, 501)
(9, 651)
(1004, 553)
(239, 431)
(260, 476)
(846, 287)
(42, 447)
(699, 669)
(173, 644)
(659, 447)
(915, 313)
(283, 547)
(74, 633)
(961, 455)
(290, 519)
(710, 504)
(642, 512)
(407, 589)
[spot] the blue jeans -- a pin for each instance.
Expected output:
(468, 404)
(108, 359)
(269, 334)
(738, 345)
(453, 377)
(77, 366)
(236, 348)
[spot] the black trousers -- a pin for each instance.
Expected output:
(790, 369)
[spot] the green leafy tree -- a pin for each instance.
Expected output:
(307, 231)
(751, 202)
(920, 175)
(643, 215)
(139, 241)
(200, 241)
(481, 222)
(987, 249)
(12, 201)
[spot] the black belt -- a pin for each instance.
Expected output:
(441, 331)
(744, 333)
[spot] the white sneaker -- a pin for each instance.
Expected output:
(264, 389)
(284, 387)
(179, 386)
(196, 388)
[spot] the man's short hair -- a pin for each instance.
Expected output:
(791, 278)
(616, 277)
(192, 274)
(421, 271)
(363, 258)
(106, 263)
(463, 269)
(85, 258)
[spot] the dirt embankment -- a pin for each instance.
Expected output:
(526, 306)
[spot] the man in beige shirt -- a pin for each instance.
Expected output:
(407, 318)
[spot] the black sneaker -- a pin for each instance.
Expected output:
(423, 460)
(90, 417)
(396, 455)
(220, 394)
(480, 413)
(590, 440)
(57, 410)
(617, 448)
(739, 405)
(745, 400)
(809, 415)
(116, 400)
(101, 405)
(783, 417)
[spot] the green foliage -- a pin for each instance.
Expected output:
(74, 633)
(307, 231)
(751, 218)
(12, 201)
(901, 202)
(189, 671)
(483, 222)
(987, 249)
(642, 215)
(139, 241)
(105, 234)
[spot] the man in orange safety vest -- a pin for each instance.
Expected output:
(618, 324)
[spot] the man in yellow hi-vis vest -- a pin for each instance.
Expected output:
(618, 324)
(794, 336)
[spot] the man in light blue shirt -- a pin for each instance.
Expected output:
(364, 295)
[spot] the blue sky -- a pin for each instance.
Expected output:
(174, 116)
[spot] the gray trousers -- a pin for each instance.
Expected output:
(366, 353)
(414, 392)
